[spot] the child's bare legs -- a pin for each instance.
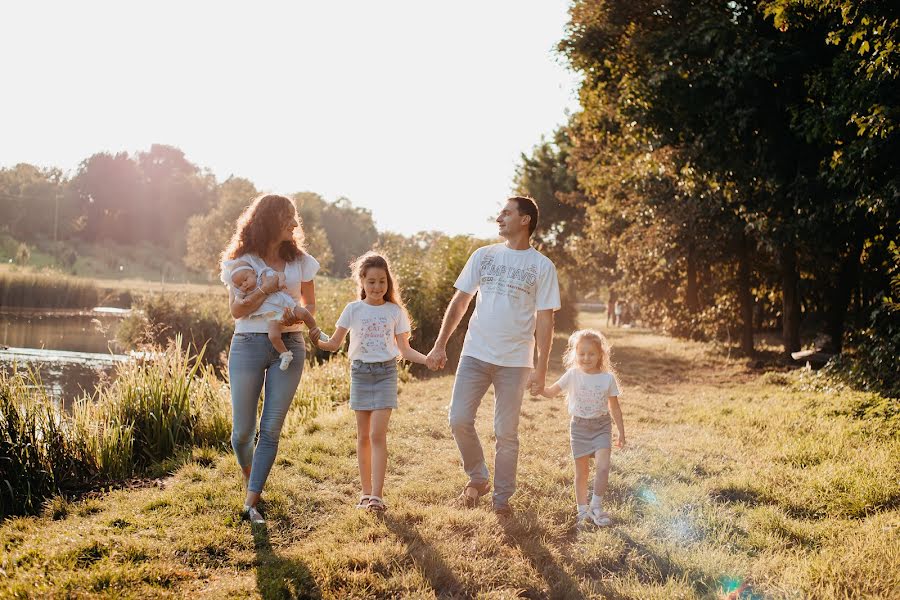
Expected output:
(275, 337)
(371, 449)
(582, 472)
(601, 477)
(364, 449)
(378, 437)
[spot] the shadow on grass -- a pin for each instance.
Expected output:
(427, 559)
(278, 577)
(525, 533)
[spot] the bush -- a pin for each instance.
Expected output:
(870, 362)
(201, 321)
(152, 410)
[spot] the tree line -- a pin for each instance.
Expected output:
(159, 197)
(734, 166)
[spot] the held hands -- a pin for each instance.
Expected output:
(437, 358)
(536, 383)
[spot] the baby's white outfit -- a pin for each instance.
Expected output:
(273, 307)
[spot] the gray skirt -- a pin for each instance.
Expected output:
(373, 386)
(589, 435)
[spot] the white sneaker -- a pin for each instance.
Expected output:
(583, 521)
(600, 518)
(251, 514)
(286, 358)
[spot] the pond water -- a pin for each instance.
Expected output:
(69, 351)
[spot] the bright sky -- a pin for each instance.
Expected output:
(416, 110)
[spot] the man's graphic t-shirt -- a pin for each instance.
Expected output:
(512, 285)
(588, 394)
(373, 330)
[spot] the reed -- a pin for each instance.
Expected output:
(46, 290)
(151, 411)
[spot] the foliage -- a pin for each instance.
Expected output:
(202, 321)
(154, 409)
(350, 230)
(426, 266)
(729, 150)
(46, 290)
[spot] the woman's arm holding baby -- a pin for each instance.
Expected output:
(241, 307)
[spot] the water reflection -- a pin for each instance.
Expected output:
(69, 351)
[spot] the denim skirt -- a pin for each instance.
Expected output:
(589, 435)
(373, 386)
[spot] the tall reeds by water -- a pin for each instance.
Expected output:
(46, 290)
(151, 411)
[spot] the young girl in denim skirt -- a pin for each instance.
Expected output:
(379, 330)
(593, 396)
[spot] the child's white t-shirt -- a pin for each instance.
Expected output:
(373, 330)
(512, 285)
(588, 394)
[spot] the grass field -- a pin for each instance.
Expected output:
(733, 482)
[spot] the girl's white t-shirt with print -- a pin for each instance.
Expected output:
(588, 394)
(295, 272)
(373, 330)
(512, 286)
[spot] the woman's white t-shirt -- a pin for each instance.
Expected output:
(588, 394)
(295, 272)
(373, 330)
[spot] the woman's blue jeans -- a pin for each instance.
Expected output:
(252, 363)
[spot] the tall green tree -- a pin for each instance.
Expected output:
(350, 230)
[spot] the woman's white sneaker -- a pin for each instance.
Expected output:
(251, 514)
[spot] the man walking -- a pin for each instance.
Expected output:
(517, 293)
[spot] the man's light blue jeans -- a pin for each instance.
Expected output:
(473, 378)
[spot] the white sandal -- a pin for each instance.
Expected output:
(376, 504)
(363, 501)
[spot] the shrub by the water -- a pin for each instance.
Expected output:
(151, 411)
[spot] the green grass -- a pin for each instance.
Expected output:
(142, 423)
(774, 486)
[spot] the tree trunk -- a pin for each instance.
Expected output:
(790, 298)
(745, 295)
(848, 278)
(693, 298)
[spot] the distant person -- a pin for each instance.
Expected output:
(592, 393)
(611, 307)
(379, 330)
(268, 233)
(517, 293)
(620, 306)
(246, 278)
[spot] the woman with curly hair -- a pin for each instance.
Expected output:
(269, 237)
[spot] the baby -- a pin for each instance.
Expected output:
(245, 280)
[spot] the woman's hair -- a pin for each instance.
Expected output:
(600, 342)
(262, 221)
(371, 260)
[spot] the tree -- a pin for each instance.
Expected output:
(350, 230)
(208, 234)
(174, 190)
(110, 189)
